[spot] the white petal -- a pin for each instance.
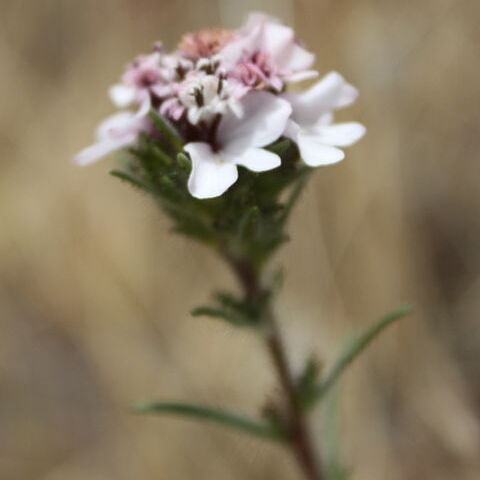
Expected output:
(258, 160)
(276, 39)
(292, 130)
(325, 119)
(144, 106)
(341, 134)
(268, 34)
(115, 132)
(115, 125)
(242, 46)
(194, 114)
(257, 18)
(329, 93)
(98, 150)
(301, 76)
(121, 95)
(314, 153)
(296, 58)
(263, 121)
(162, 90)
(211, 174)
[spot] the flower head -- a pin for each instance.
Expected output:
(225, 94)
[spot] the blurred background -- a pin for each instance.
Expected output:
(95, 291)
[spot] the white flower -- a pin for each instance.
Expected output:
(311, 127)
(118, 131)
(239, 143)
(139, 77)
(287, 60)
(225, 93)
(205, 96)
(173, 67)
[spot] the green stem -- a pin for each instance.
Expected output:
(299, 438)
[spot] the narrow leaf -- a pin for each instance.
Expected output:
(247, 223)
(219, 313)
(126, 177)
(280, 146)
(294, 195)
(332, 451)
(161, 155)
(183, 161)
(307, 381)
(309, 374)
(214, 415)
(355, 348)
(167, 130)
(277, 280)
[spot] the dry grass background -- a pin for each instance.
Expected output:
(95, 293)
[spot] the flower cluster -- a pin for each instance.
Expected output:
(225, 94)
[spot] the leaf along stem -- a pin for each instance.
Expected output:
(168, 131)
(216, 415)
(357, 347)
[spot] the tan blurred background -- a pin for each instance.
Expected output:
(95, 292)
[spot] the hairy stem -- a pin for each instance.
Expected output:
(299, 438)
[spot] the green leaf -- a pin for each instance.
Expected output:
(222, 417)
(334, 466)
(162, 156)
(277, 280)
(247, 223)
(166, 129)
(183, 161)
(237, 312)
(213, 312)
(168, 185)
(306, 384)
(295, 194)
(275, 416)
(251, 311)
(187, 220)
(355, 348)
(310, 372)
(280, 146)
(126, 177)
(229, 300)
